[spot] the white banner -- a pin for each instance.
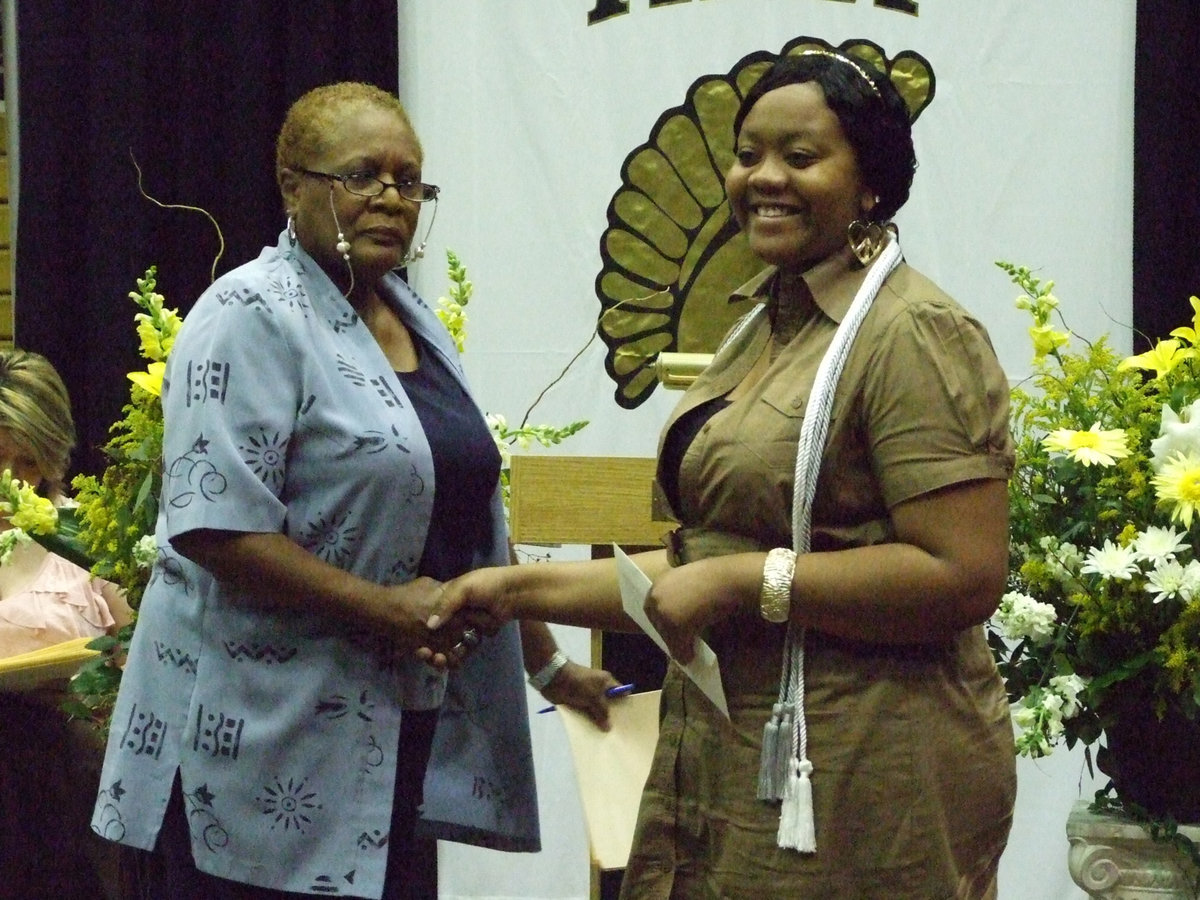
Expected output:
(527, 114)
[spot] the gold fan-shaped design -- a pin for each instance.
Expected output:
(672, 252)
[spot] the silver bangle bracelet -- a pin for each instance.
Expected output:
(541, 679)
(775, 599)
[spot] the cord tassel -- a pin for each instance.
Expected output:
(797, 830)
(768, 765)
(783, 752)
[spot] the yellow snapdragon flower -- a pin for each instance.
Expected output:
(24, 507)
(1165, 356)
(34, 514)
(151, 380)
(1046, 340)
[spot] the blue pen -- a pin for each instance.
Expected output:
(619, 690)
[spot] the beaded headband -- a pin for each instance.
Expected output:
(848, 61)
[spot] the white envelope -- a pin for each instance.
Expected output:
(703, 669)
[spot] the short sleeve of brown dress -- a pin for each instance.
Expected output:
(914, 769)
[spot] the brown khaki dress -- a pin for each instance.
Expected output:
(914, 771)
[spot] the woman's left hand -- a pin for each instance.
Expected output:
(684, 601)
(584, 690)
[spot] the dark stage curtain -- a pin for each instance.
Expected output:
(196, 93)
(1166, 177)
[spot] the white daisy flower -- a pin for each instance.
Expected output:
(1191, 581)
(1167, 580)
(1110, 561)
(1157, 544)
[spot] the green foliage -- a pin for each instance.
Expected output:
(118, 510)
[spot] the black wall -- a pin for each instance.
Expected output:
(1166, 174)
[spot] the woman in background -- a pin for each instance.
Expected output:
(49, 765)
(44, 599)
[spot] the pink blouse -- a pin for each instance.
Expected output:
(63, 603)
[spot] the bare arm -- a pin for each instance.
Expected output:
(945, 572)
(280, 575)
(570, 593)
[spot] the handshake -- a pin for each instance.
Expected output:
(458, 614)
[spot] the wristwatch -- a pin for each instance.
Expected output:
(541, 679)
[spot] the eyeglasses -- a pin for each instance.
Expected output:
(365, 185)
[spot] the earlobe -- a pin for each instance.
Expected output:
(289, 183)
(867, 202)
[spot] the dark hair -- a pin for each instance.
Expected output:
(873, 116)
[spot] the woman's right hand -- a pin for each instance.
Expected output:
(482, 593)
(405, 610)
(476, 600)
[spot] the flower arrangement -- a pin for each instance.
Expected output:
(1105, 585)
(113, 524)
(117, 512)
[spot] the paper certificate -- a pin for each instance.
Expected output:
(703, 668)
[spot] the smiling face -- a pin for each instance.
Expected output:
(795, 186)
(359, 138)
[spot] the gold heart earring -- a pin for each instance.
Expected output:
(866, 239)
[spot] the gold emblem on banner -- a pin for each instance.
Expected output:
(672, 253)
